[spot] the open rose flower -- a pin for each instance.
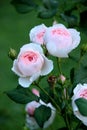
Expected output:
(60, 41)
(31, 63)
(80, 91)
(30, 120)
(36, 34)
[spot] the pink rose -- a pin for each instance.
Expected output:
(30, 120)
(36, 34)
(30, 107)
(31, 63)
(80, 91)
(60, 41)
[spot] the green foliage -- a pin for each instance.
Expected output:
(67, 10)
(49, 9)
(21, 95)
(50, 3)
(24, 6)
(42, 114)
(82, 105)
(84, 60)
(79, 73)
(64, 128)
(44, 97)
(46, 13)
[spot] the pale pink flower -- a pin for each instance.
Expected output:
(31, 63)
(36, 34)
(30, 120)
(60, 41)
(80, 91)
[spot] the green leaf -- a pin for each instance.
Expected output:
(80, 71)
(49, 4)
(54, 3)
(80, 75)
(72, 20)
(42, 114)
(82, 7)
(72, 75)
(21, 95)
(84, 59)
(76, 14)
(44, 97)
(47, 13)
(82, 106)
(23, 6)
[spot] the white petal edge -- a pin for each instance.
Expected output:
(27, 81)
(47, 67)
(77, 88)
(80, 117)
(31, 46)
(75, 37)
(31, 123)
(15, 69)
(73, 104)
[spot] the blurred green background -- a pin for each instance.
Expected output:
(14, 32)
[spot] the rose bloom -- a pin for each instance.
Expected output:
(60, 41)
(80, 91)
(30, 120)
(31, 63)
(36, 34)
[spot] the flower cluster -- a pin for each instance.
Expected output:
(33, 63)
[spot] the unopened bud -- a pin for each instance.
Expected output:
(61, 79)
(55, 22)
(12, 53)
(52, 80)
(36, 92)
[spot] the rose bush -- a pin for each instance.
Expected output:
(31, 63)
(60, 41)
(55, 90)
(80, 91)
